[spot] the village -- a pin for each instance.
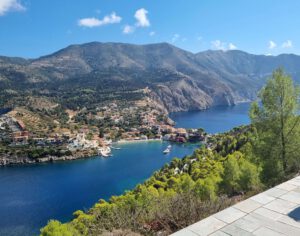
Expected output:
(101, 129)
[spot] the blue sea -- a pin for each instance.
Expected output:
(214, 120)
(30, 195)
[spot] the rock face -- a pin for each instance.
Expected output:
(178, 80)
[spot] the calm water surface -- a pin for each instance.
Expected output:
(214, 120)
(31, 195)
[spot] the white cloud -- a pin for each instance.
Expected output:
(141, 21)
(199, 38)
(178, 37)
(218, 45)
(141, 17)
(89, 22)
(128, 29)
(175, 38)
(231, 46)
(113, 18)
(272, 44)
(287, 44)
(10, 5)
(152, 33)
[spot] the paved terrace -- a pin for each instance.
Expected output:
(271, 213)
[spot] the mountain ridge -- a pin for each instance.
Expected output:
(178, 79)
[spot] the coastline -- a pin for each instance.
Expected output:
(10, 161)
(14, 160)
(124, 141)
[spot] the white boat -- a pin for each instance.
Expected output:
(116, 148)
(104, 155)
(166, 151)
(104, 151)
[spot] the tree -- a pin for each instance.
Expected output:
(278, 126)
(249, 175)
(206, 189)
(55, 228)
(231, 174)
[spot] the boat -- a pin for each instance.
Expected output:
(104, 151)
(166, 151)
(104, 155)
(116, 148)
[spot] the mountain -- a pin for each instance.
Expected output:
(177, 79)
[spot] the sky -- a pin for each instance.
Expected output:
(33, 28)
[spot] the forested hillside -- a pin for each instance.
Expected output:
(179, 80)
(229, 167)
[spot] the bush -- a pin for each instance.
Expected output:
(55, 228)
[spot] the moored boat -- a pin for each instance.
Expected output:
(104, 151)
(167, 150)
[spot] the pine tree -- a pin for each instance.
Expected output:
(278, 126)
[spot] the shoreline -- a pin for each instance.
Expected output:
(124, 141)
(18, 161)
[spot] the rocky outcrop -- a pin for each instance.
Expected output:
(21, 160)
(181, 97)
(187, 95)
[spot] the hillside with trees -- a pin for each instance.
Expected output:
(230, 167)
(90, 74)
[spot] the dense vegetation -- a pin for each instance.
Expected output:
(33, 151)
(180, 193)
(230, 167)
(278, 125)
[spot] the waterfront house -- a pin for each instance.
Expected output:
(20, 137)
(182, 132)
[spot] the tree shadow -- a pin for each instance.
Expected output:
(295, 214)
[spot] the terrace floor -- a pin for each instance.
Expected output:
(271, 213)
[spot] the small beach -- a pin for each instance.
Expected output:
(124, 141)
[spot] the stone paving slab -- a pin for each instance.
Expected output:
(233, 230)
(281, 206)
(268, 213)
(292, 197)
(275, 192)
(207, 226)
(263, 198)
(287, 186)
(229, 215)
(185, 232)
(248, 223)
(263, 231)
(248, 205)
(275, 212)
(219, 233)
